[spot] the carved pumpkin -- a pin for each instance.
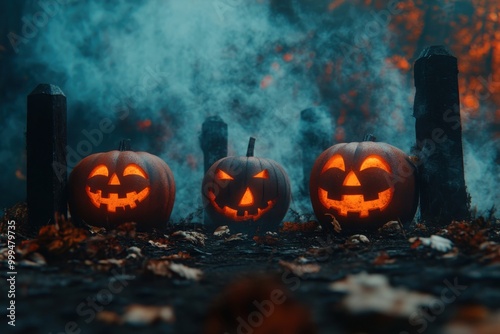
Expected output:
(106, 189)
(363, 185)
(246, 193)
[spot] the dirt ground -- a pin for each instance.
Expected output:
(185, 280)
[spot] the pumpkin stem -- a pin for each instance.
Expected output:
(369, 137)
(251, 145)
(124, 145)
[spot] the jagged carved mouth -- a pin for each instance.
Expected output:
(114, 201)
(356, 203)
(242, 214)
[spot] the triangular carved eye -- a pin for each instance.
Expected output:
(374, 161)
(262, 175)
(221, 175)
(334, 162)
(99, 170)
(133, 169)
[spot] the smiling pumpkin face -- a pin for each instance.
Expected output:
(246, 192)
(345, 192)
(363, 185)
(107, 189)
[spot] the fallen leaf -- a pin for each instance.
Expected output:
(357, 239)
(235, 237)
(139, 315)
(179, 256)
(34, 260)
(390, 227)
(383, 258)
(109, 317)
(161, 243)
(196, 238)
(372, 293)
(468, 236)
(60, 238)
(491, 251)
(415, 242)
(134, 252)
(186, 272)
(222, 231)
(434, 241)
(170, 269)
(300, 269)
(27, 247)
(96, 230)
(116, 262)
(336, 225)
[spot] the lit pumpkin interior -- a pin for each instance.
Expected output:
(114, 201)
(247, 199)
(356, 202)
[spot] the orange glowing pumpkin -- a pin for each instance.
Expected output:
(363, 185)
(107, 189)
(246, 193)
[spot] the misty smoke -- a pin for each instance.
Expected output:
(156, 69)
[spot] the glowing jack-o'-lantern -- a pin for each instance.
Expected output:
(363, 185)
(246, 193)
(106, 189)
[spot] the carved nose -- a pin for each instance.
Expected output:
(247, 198)
(351, 180)
(114, 180)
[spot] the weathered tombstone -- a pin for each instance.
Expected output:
(443, 195)
(46, 154)
(213, 140)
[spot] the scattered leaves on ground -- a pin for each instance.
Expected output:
(468, 236)
(357, 239)
(336, 225)
(235, 237)
(60, 238)
(139, 315)
(372, 293)
(167, 268)
(222, 231)
(178, 256)
(162, 243)
(434, 241)
(390, 227)
(193, 237)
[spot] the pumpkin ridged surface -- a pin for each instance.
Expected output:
(365, 199)
(218, 194)
(152, 211)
